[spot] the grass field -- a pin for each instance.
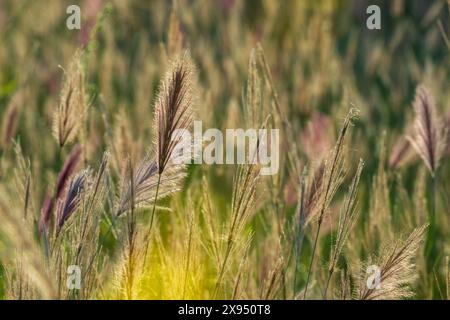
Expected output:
(94, 205)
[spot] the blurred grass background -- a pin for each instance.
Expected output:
(322, 57)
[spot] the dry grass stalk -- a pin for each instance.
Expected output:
(286, 127)
(334, 172)
(253, 97)
(299, 231)
(122, 144)
(380, 221)
(23, 247)
(131, 250)
(347, 219)
(212, 241)
(313, 192)
(23, 183)
(70, 114)
(242, 205)
(190, 243)
(242, 277)
(344, 290)
(272, 284)
(420, 200)
(245, 180)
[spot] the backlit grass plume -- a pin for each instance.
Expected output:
(142, 189)
(397, 270)
(429, 138)
(52, 197)
(173, 109)
(173, 113)
(69, 116)
(72, 198)
(162, 174)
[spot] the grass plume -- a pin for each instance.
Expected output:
(70, 113)
(396, 269)
(429, 138)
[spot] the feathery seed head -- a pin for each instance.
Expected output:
(429, 138)
(174, 109)
(71, 110)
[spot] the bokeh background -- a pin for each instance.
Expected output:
(323, 61)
